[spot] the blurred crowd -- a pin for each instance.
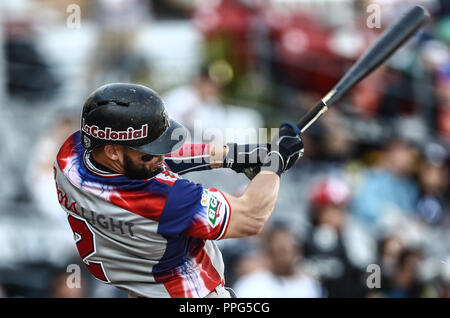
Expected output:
(366, 211)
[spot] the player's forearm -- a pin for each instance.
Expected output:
(236, 157)
(261, 196)
(195, 157)
(251, 211)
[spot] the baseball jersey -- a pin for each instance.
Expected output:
(154, 237)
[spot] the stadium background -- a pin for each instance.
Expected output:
(373, 187)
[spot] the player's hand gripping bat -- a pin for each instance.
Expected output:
(378, 53)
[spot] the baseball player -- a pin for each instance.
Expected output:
(137, 224)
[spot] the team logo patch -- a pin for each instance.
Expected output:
(213, 206)
(213, 211)
(206, 196)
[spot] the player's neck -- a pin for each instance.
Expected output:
(99, 157)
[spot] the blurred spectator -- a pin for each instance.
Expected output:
(241, 258)
(28, 72)
(443, 7)
(389, 249)
(2, 292)
(226, 26)
(404, 281)
(443, 94)
(116, 60)
(405, 272)
(337, 142)
(284, 276)
(389, 186)
(200, 102)
(121, 16)
(60, 287)
(73, 280)
(41, 169)
(433, 205)
(172, 9)
(441, 285)
(397, 98)
(335, 248)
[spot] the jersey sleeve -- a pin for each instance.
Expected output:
(193, 210)
(189, 158)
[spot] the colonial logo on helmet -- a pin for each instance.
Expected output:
(123, 135)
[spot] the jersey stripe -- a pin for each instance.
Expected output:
(208, 273)
(227, 218)
(148, 205)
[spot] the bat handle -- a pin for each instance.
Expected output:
(311, 116)
(317, 111)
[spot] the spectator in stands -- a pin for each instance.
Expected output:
(197, 102)
(41, 168)
(2, 292)
(41, 183)
(336, 248)
(283, 276)
(389, 249)
(443, 94)
(62, 286)
(388, 187)
(433, 206)
(405, 281)
(119, 24)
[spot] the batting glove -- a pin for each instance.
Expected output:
(245, 158)
(286, 149)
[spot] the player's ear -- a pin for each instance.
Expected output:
(113, 152)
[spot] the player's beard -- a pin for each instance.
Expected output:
(134, 171)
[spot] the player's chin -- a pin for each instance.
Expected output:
(154, 172)
(143, 173)
(158, 165)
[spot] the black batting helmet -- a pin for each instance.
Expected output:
(130, 115)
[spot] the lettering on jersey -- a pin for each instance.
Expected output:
(109, 134)
(63, 199)
(105, 222)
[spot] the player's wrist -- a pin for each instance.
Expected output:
(230, 155)
(273, 162)
(241, 157)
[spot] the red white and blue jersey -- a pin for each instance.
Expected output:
(154, 237)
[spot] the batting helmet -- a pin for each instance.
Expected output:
(129, 115)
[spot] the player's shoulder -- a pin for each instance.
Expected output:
(71, 143)
(69, 151)
(167, 177)
(181, 191)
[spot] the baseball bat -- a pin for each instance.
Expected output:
(377, 54)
